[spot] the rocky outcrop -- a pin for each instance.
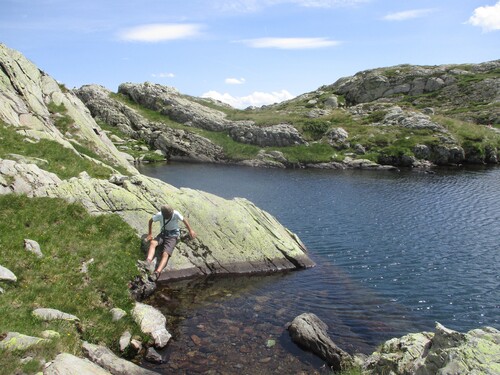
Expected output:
(281, 135)
(172, 142)
(26, 93)
(188, 111)
(310, 332)
(445, 83)
(234, 236)
(442, 352)
(169, 102)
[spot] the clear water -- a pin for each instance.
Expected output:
(395, 253)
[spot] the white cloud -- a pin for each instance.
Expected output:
(290, 43)
(487, 17)
(248, 6)
(163, 75)
(160, 32)
(327, 3)
(408, 14)
(235, 81)
(256, 99)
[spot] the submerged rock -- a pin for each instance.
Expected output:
(310, 332)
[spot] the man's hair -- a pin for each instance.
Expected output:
(167, 211)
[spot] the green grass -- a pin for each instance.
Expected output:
(467, 132)
(68, 236)
(62, 120)
(62, 161)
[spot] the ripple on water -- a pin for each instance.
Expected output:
(395, 253)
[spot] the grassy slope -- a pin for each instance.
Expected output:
(68, 236)
(60, 160)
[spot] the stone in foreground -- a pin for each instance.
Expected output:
(68, 364)
(105, 358)
(310, 332)
(17, 341)
(152, 321)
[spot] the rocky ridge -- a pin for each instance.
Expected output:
(26, 96)
(397, 103)
(448, 86)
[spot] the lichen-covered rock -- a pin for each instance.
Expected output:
(106, 359)
(23, 178)
(153, 322)
(234, 236)
(53, 314)
(16, 341)
(443, 352)
(68, 364)
(25, 95)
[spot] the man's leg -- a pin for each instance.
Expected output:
(151, 251)
(163, 263)
(168, 248)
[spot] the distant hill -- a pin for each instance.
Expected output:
(405, 116)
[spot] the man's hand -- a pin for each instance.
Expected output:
(192, 234)
(149, 237)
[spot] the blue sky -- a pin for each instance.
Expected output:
(245, 52)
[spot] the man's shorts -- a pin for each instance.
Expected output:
(167, 244)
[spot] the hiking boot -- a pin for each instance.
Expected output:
(154, 276)
(149, 267)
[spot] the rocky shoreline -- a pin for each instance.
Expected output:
(185, 144)
(443, 351)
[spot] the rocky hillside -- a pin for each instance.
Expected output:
(409, 116)
(52, 147)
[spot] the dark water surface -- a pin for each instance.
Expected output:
(395, 253)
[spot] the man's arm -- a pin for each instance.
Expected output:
(192, 233)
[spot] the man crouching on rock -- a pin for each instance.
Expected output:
(167, 238)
